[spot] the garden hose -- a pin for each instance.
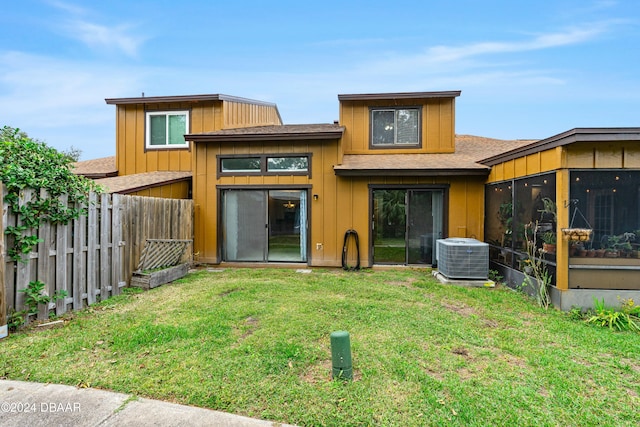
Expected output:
(349, 236)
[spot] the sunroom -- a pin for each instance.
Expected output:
(570, 203)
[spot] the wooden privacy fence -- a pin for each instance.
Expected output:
(93, 257)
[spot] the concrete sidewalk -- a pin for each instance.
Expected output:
(36, 404)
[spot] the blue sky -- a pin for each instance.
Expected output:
(525, 69)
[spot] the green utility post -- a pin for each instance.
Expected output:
(341, 355)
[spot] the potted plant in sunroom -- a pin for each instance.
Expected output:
(576, 248)
(548, 214)
(549, 242)
(505, 216)
(617, 245)
(526, 265)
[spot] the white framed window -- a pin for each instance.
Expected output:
(393, 127)
(166, 129)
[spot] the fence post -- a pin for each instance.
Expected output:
(117, 249)
(105, 225)
(43, 270)
(23, 273)
(92, 237)
(3, 294)
(61, 281)
(79, 283)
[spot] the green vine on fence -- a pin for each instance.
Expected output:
(34, 296)
(26, 163)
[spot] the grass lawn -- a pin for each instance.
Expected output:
(256, 342)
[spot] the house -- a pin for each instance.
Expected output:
(391, 169)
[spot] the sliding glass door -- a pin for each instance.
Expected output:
(406, 224)
(264, 225)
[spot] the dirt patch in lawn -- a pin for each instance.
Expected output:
(246, 329)
(435, 374)
(318, 372)
(465, 374)
(229, 292)
(512, 360)
(322, 371)
(461, 351)
(490, 323)
(408, 283)
(633, 364)
(460, 308)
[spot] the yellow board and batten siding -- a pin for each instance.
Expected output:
(342, 204)
(322, 181)
(242, 114)
(437, 129)
(132, 156)
(437, 136)
(532, 164)
(175, 190)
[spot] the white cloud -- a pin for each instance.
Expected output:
(32, 84)
(62, 102)
(448, 55)
(99, 37)
(102, 37)
(67, 7)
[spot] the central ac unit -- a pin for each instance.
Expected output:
(463, 258)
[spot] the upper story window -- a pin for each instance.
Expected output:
(395, 127)
(166, 129)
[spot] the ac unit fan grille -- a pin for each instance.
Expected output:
(463, 258)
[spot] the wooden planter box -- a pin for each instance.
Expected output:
(160, 277)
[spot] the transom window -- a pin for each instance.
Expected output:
(295, 164)
(166, 129)
(264, 164)
(241, 164)
(392, 127)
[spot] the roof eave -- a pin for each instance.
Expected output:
(565, 138)
(265, 137)
(148, 186)
(412, 172)
(97, 175)
(184, 98)
(398, 95)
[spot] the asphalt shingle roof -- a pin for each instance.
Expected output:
(96, 168)
(139, 181)
(469, 151)
(274, 133)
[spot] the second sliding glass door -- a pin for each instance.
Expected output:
(406, 224)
